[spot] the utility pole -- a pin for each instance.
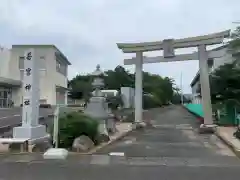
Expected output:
(56, 127)
(181, 86)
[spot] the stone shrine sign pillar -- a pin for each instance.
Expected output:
(30, 129)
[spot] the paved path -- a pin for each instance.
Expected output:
(175, 135)
(172, 150)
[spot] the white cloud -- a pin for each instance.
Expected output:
(87, 31)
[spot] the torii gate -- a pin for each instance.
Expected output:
(168, 46)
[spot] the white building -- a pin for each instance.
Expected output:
(128, 94)
(109, 92)
(53, 74)
(213, 64)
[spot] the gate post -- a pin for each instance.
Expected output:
(205, 86)
(138, 87)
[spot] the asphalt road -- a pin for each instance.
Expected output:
(172, 150)
(13, 116)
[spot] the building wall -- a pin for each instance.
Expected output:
(227, 58)
(194, 87)
(49, 77)
(197, 99)
(195, 95)
(44, 57)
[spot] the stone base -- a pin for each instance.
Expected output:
(35, 134)
(103, 133)
(96, 108)
(138, 125)
(207, 128)
(149, 123)
(111, 125)
(55, 153)
(102, 128)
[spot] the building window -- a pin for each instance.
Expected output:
(61, 65)
(61, 68)
(42, 63)
(21, 62)
(210, 62)
(58, 66)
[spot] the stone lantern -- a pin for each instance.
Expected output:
(97, 106)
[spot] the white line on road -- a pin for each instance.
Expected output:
(3, 117)
(116, 154)
(128, 142)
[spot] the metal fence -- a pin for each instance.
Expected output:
(5, 103)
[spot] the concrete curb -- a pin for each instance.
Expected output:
(19, 153)
(228, 143)
(95, 149)
(92, 151)
(103, 145)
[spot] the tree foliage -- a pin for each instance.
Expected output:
(225, 83)
(225, 80)
(81, 87)
(234, 44)
(160, 88)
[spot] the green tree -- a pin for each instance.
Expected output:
(161, 89)
(118, 78)
(225, 83)
(234, 44)
(80, 87)
(225, 79)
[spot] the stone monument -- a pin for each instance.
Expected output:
(30, 128)
(97, 106)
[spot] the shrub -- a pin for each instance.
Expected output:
(75, 124)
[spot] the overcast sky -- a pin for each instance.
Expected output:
(87, 31)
